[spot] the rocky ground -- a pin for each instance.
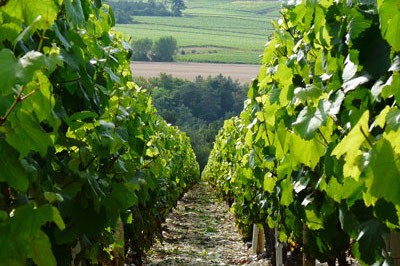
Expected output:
(201, 231)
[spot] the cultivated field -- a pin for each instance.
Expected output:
(224, 31)
(241, 72)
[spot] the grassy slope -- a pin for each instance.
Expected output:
(223, 31)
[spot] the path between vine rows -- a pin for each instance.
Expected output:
(201, 231)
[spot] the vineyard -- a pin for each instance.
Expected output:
(89, 171)
(315, 154)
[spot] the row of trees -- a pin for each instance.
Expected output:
(316, 151)
(197, 107)
(162, 50)
(125, 10)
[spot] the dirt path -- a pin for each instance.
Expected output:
(244, 73)
(201, 231)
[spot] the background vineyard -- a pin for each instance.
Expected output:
(316, 151)
(224, 31)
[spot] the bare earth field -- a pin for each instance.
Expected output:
(244, 73)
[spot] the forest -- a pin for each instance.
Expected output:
(197, 107)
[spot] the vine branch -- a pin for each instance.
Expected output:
(17, 100)
(366, 137)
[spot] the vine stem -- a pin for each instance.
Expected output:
(17, 100)
(42, 37)
(323, 137)
(366, 137)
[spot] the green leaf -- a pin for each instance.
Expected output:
(307, 152)
(152, 152)
(301, 184)
(75, 12)
(28, 64)
(383, 172)
(309, 120)
(352, 84)
(371, 241)
(122, 197)
(381, 118)
(313, 220)
(42, 101)
(12, 171)
(389, 16)
(350, 69)
(350, 145)
(393, 120)
(350, 189)
(310, 92)
(269, 183)
(26, 135)
(23, 241)
(386, 212)
(40, 250)
(112, 75)
(8, 66)
(28, 11)
(287, 192)
(358, 24)
(392, 87)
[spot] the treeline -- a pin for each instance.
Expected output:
(124, 10)
(162, 50)
(197, 107)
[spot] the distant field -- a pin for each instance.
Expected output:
(223, 31)
(243, 73)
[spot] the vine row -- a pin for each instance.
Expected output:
(88, 170)
(316, 150)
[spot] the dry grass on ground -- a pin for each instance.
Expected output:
(201, 231)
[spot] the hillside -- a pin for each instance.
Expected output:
(225, 31)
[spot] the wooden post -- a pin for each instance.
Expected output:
(74, 252)
(278, 249)
(258, 242)
(119, 247)
(394, 247)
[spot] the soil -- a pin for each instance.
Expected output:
(201, 231)
(243, 73)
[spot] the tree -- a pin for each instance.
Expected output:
(142, 49)
(164, 49)
(177, 6)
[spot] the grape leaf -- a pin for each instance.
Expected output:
(287, 192)
(353, 140)
(26, 135)
(13, 172)
(8, 66)
(383, 172)
(389, 15)
(310, 119)
(313, 220)
(307, 152)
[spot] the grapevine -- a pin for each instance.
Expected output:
(316, 150)
(83, 151)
